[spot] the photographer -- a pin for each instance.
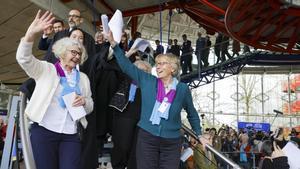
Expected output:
(274, 157)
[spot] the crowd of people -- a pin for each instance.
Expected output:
(246, 147)
(112, 84)
(202, 50)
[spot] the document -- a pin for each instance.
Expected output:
(140, 44)
(116, 25)
(104, 20)
(75, 112)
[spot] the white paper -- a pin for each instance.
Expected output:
(140, 44)
(104, 20)
(75, 112)
(116, 25)
(293, 154)
(186, 154)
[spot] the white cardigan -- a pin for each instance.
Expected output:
(47, 81)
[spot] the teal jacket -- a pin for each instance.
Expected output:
(148, 83)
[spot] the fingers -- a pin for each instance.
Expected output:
(37, 16)
(44, 15)
(79, 101)
(49, 17)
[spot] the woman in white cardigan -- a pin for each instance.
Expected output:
(54, 137)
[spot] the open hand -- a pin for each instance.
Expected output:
(39, 24)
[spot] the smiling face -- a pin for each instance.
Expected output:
(77, 35)
(164, 68)
(71, 58)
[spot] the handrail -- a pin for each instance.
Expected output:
(24, 132)
(211, 149)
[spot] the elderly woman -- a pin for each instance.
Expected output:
(55, 141)
(163, 97)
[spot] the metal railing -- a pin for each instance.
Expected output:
(211, 149)
(24, 133)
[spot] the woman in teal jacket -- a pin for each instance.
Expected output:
(163, 97)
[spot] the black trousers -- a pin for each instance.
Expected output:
(124, 139)
(155, 152)
(53, 150)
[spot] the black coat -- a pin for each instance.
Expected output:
(104, 77)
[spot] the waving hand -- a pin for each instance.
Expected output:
(39, 24)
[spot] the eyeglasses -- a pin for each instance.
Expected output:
(73, 16)
(75, 52)
(161, 63)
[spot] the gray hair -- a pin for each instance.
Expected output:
(139, 63)
(174, 61)
(60, 47)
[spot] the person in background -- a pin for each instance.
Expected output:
(159, 140)
(99, 41)
(170, 44)
(175, 49)
(124, 42)
(273, 156)
(54, 136)
(3, 128)
(186, 55)
(200, 45)
(45, 41)
(134, 37)
(224, 48)
(159, 48)
(245, 148)
(217, 47)
(206, 51)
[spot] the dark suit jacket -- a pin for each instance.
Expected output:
(44, 43)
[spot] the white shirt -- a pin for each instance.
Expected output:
(56, 118)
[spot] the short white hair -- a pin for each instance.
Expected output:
(60, 47)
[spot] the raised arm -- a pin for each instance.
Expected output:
(24, 56)
(127, 67)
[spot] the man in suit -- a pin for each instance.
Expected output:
(45, 41)
(175, 49)
(186, 55)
